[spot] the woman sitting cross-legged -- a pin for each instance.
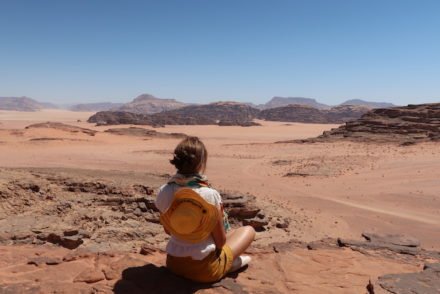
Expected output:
(192, 213)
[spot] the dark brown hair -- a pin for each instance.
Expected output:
(190, 156)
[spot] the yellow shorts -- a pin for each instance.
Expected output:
(210, 269)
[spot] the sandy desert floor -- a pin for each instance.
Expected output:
(324, 189)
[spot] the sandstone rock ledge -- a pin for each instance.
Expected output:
(287, 267)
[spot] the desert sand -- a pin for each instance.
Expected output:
(323, 190)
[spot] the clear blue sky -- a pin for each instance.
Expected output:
(206, 50)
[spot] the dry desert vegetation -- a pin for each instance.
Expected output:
(77, 208)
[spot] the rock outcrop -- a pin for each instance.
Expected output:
(326, 268)
(398, 247)
(98, 213)
(120, 118)
(225, 123)
(293, 113)
(209, 114)
(230, 114)
(345, 113)
(141, 132)
(62, 127)
(424, 282)
(392, 242)
(307, 114)
(405, 125)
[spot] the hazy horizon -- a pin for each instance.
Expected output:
(71, 103)
(205, 51)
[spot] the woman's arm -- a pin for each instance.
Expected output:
(166, 231)
(219, 234)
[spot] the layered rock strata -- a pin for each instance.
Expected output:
(307, 114)
(230, 113)
(405, 125)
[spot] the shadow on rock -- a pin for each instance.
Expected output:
(153, 279)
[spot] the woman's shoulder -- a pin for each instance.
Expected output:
(166, 192)
(165, 196)
(207, 190)
(210, 195)
(167, 188)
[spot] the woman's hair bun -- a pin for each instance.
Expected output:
(190, 156)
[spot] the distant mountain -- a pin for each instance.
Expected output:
(148, 104)
(284, 101)
(307, 114)
(369, 104)
(101, 106)
(221, 113)
(20, 104)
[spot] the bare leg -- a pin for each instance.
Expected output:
(240, 239)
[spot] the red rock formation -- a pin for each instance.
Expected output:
(405, 125)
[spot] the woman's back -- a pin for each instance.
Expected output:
(178, 247)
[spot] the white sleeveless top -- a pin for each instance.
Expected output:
(180, 248)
